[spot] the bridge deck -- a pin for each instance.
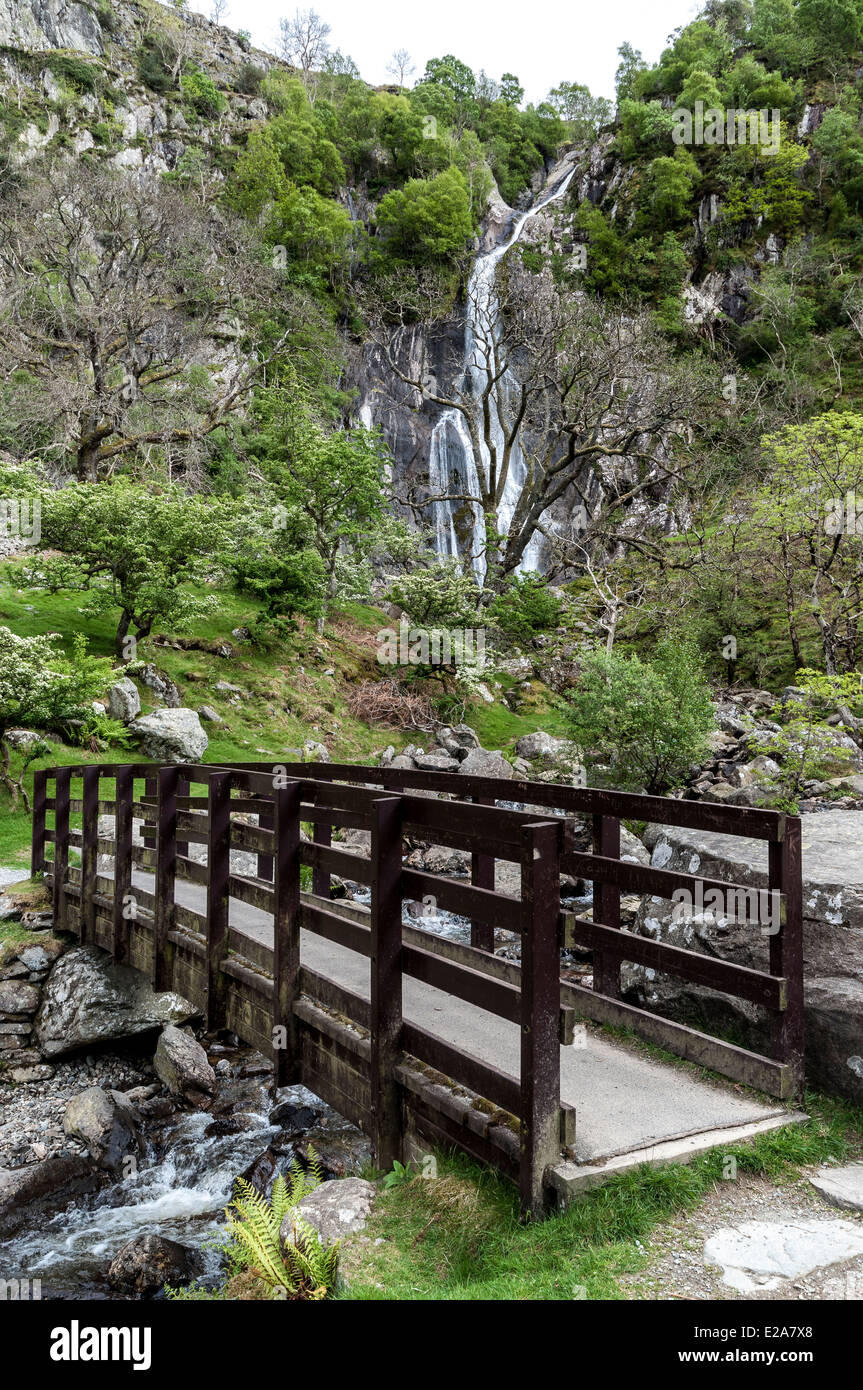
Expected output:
(626, 1103)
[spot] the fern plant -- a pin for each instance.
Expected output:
(306, 1268)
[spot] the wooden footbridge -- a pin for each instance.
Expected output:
(418, 1039)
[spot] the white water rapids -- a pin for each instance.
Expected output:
(452, 465)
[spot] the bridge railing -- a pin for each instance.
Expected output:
(194, 873)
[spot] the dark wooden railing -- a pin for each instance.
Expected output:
(230, 941)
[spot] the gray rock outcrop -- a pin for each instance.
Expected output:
(106, 1123)
(87, 1000)
(181, 1064)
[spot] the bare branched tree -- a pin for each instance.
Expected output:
(120, 327)
(303, 42)
(400, 66)
(572, 401)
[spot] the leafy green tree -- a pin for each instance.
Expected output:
(134, 549)
(582, 112)
(642, 722)
(429, 219)
(525, 607)
(335, 480)
(668, 189)
(279, 565)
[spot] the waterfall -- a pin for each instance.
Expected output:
(452, 466)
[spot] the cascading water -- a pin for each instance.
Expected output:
(452, 466)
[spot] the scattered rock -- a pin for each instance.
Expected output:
(124, 702)
(335, 1209)
(207, 713)
(481, 762)
(842, 1187)
(171, 736)
(106, 1123)
(143, 1265)
(181, 1063)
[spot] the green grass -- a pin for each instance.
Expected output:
(288, 697)
(459, 1237)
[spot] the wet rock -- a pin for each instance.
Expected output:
(106, 1123)
(262, 1170)
(335, 1209)
(181, 1064)
(51, 1181)
(143, 1265)
(171, 736)
(87, 999)
(294, 1119)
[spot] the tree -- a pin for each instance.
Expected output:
(573, 401)
(133, 549)
(303, 42)
(334, 480)
(511, 90)
(114, 291)
(401, 66)
(429, 219)
(642, 722)
(583, 113)
(39, 685)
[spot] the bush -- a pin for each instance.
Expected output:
(527, 607)
(202, 93)
(644, 722)
(249, 79)
(80, 76)
(156, 57)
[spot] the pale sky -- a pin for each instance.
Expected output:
(542, 41)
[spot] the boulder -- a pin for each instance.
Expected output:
(540, 745)
(124, 702)
(106, 1123)
(171, 736)
(335, 1209)
(207, 713)
(145, 1264)
(161, 685)
(181, 1063)
(481, 762)
(50, 1182)
(315, 752)
(87, 999)
(832, 937)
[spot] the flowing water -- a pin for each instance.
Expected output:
(452, 465)
(180, 1190)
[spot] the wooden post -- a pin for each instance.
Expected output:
(166, 876)
(37, 843)
(321, 878)
(540, 1012)
(606, 905)
(386, 979)
(218, 873)
(62, 792)
(482, 876)
(286, 934)
(786, 948)
(122, 929)
(89, 854)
